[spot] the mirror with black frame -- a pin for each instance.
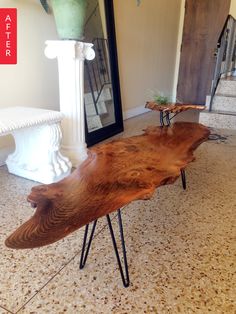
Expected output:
(103, 113)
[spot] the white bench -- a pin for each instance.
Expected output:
(37, 136)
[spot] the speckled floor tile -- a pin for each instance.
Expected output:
(180, 249)
(180, 245)
(3, 311)
(23, 272)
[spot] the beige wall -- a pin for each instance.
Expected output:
(33, 81)
(147, 41)
(232, 9)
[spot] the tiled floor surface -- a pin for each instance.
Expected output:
(181, 247)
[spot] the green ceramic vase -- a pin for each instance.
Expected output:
(69, 17)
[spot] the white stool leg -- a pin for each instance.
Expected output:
(37, 155)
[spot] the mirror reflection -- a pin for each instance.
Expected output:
(98, 95)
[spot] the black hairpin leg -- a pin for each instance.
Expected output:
(183, 177)
(161, 118)
(165, 119)
(125, 278)
(85, 251)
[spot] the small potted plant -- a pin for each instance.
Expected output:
(160, 99)
(159, 102)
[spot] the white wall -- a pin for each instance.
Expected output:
(232, 9)
(147, 43)
(33, 81)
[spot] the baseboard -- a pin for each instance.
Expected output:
(4, 152)
(134, 112)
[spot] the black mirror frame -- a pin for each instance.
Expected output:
(117, 127)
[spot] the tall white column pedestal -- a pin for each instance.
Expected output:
(71, 55)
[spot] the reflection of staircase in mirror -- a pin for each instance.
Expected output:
(101, 113)
(98, 98)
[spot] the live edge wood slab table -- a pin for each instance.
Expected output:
(113, 175)
(171, 108)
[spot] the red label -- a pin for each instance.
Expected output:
(8, 36)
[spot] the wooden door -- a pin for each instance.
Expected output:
(203, 22)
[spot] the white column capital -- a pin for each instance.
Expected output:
(70, 49)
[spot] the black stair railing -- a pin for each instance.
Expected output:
(225, 53)
(97, 71)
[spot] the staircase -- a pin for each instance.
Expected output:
(223, 109)
(221, 104)
(98, 98)
(99, 113)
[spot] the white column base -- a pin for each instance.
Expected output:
(37, 156)
(76, 154)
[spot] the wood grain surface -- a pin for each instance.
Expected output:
(172, 107)
(113, 175)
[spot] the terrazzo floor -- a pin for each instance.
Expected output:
(180, 245)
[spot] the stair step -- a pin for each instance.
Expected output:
(224, 103)
(94, 123)
(227, 87)
(220, 120)
(105, 96)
